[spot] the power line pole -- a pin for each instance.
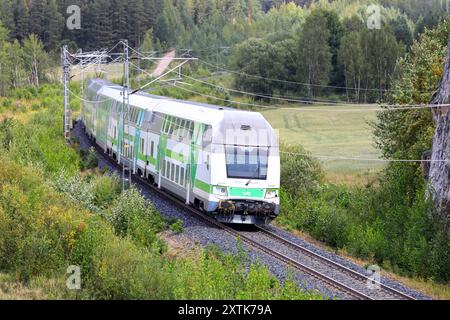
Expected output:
(66, 79)
(127, 148)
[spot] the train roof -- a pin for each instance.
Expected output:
(221, 118)
(206, 113)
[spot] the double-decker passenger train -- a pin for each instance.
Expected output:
(221, 160)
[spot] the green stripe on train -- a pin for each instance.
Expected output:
(176, 156)
(203, 186)
(147, 158)
(246, 192)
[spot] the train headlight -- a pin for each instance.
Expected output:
(220, 191)
(271, 194)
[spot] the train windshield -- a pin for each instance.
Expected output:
(244, 162)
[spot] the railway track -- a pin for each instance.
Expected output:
(325, 271)
(319, 262)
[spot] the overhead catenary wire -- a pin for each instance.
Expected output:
(303, 101)
(368, 107)
(345, 158)
(386, 108)
(303, 83)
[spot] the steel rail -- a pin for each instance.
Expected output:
(354, 274)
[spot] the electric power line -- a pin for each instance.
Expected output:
(304, 83)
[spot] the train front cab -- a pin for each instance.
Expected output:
(245, 170)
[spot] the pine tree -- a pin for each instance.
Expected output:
(100, 32)
(119, 19)
(7, 16)
(37, 15)
(21, 20)
(53, 23)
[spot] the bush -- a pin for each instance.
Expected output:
(91, 159)
(130, 215)
(105, 190)
(299, 172)
(177, 226)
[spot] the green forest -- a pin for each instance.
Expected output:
(239, 34)
(250, 53)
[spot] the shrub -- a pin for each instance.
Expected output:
(299, 172)
(130, 215)
(105, 190)
(35, 106)
(91, 160)
(177, 226)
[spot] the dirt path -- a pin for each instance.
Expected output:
(163, 64)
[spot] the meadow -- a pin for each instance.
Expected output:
(331, 132)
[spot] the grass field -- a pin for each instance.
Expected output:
(331, 131)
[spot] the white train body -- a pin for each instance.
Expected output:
(221, 160)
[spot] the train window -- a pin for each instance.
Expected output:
(207, 137)
(143, 146)
(133, 114)
(152, 148)
(172, 126)
(163, 171)
(166, 125)
(191, 129)
(172, 172)
(182, 176)
(164, 128)
(168, 169)
(115, 132)
(176, 123)
(138, 115)
(183, 128)
(177, 174)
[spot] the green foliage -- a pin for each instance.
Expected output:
(299, 172)
(176, 226)
(38, 230)
(105, 189)
(382, 226)
(314, 69)
(131, 215)
(48, 222)
(258, 58)
(90, 159)
(368, 58)
(407, 134)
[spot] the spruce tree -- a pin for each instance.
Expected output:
(21, 20)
